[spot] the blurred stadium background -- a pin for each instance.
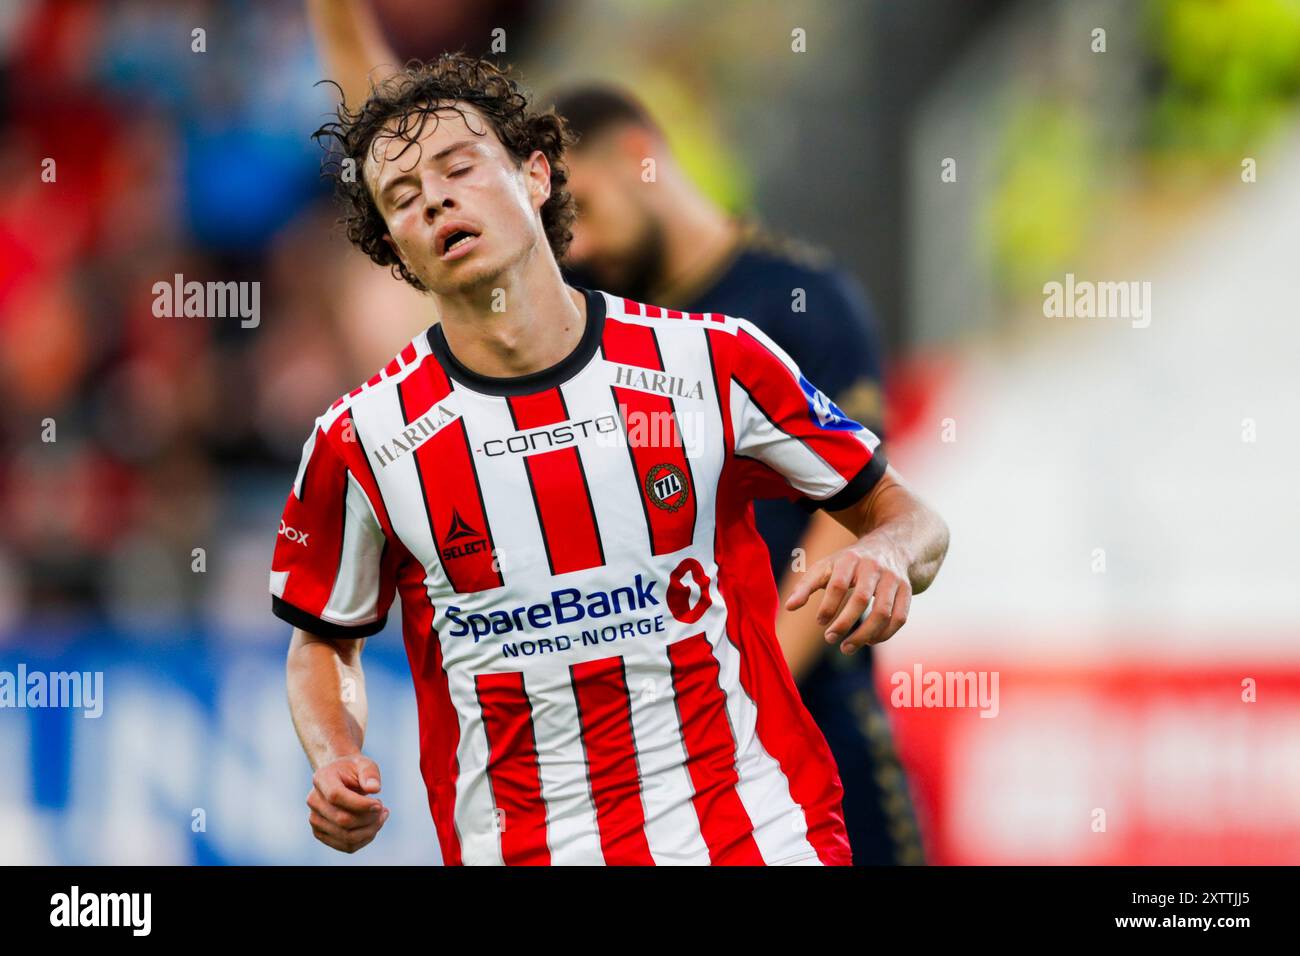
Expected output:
(1124, 502)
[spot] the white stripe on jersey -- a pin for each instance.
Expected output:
(356, 587)
(817, 479)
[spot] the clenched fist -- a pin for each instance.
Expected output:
(342, 814)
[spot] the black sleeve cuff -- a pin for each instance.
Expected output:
(314, 625)
(859, 487)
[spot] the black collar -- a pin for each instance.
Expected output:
(537, 381)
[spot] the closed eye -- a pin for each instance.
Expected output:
(460, 171)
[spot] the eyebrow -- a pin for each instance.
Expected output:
(406, 177)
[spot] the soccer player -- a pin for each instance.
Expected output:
(558, 484)
(672, 245)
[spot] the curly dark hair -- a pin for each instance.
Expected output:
(411, 96)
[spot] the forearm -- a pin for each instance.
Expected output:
(351, 45)
(894, 517)
(327, 696)
(802, 638)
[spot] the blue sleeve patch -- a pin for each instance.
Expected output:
(824, 412)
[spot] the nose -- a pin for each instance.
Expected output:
(433, 203)
(435, 197)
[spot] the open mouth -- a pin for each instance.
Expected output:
(457, 240)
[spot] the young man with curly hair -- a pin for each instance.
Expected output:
(558, 483)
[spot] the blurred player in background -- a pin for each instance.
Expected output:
(669, 244)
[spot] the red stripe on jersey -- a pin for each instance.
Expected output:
(711, 754)
(422, 388)
(540, 408)
(631, 308)
(605, 718)
(452, 495)
(392, 368)
(653, 440)
(407, 355)
(561, 495)
(775, 390)
(314, 566)
(653, 312)
(673, 314)
(438, 720)
(783, 724)
(565, 512)
(354, 456)
(513, 769)
(718, 343)
(754, 478)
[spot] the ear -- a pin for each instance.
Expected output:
(397, 251)
(538, 170)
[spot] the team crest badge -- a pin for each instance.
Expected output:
(666, 486)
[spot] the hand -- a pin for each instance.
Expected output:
(342, 815)
(866, 572)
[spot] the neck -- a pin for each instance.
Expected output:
(698, 238)
(524, 321)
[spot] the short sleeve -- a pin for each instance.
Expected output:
(331, 573)
(836, 343)
(780, 419)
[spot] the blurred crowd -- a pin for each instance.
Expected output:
(136, 150)
(143, 457)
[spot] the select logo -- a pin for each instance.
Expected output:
(462, 539)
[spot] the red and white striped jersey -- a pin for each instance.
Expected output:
(587, 608)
